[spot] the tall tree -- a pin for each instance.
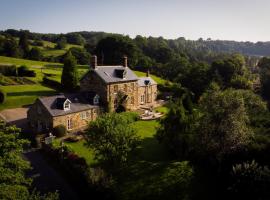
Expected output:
(224, 127)
(24, 43)
(69, 79)
(13, 183)
(113, 138)
(264, 67)
(177, 128)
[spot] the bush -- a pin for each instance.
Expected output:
(2, 96)
(8, 70)
(130, 116)
(24, 71)
(59, 131)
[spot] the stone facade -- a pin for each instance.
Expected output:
(41, 121)
(147, 95)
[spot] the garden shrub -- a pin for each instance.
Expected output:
(130, 116)
(59, 131)
(8, 70)
(2, 96)
(24, 71)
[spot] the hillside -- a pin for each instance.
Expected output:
(24, 94)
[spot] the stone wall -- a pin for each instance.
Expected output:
(78, 121)
(127, 88)
(39, 119)
(93, 83)
(149, 94)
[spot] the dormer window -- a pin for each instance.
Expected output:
(67, 105)
(96, 100)
(63, 103)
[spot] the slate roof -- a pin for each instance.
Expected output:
(78, 103)
(110, 74)
(144, 81)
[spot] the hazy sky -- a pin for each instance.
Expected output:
(240, 20)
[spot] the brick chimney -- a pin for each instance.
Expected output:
(94, 62)
(125, 61)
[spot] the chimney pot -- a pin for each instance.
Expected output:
(94, 61)
(125, 61)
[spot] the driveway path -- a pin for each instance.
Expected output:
(46, 179)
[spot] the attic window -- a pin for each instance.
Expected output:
(96, 100)
(67, 105)
(121, 73)
(147, 82)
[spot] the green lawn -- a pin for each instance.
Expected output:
(19, 95)
(19, 61)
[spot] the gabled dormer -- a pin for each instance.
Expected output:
(63, 103)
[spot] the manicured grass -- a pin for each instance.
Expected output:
(159, 80)
(18, 61)
(162, 109)
(19, 95)
(80, 149)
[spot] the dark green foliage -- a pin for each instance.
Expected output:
(2, 96)
(224, 127)
(172, 182)
(24, 43)
(61, 43)
(130, 116)
(70, 79)
(177, 128)
(250, 181)
(112, 137)
(11, 48)
(81, 55)
(24, 71)
(112, 49)
(196, 78)
(60, 131)
(8, 70)
(231, 72)
(75, 38)
(264, 67)
(35, 54)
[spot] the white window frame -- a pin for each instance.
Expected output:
(83, 115)
(66, 105)
(69, 123)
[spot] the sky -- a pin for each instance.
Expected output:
(241, 20)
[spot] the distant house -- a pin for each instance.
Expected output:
(101, 87)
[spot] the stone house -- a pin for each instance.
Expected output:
(74, 111)
(110, 82)
(102, 87)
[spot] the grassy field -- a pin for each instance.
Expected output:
(18, 61)
(20, 95)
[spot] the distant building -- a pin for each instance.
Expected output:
(102, 87)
